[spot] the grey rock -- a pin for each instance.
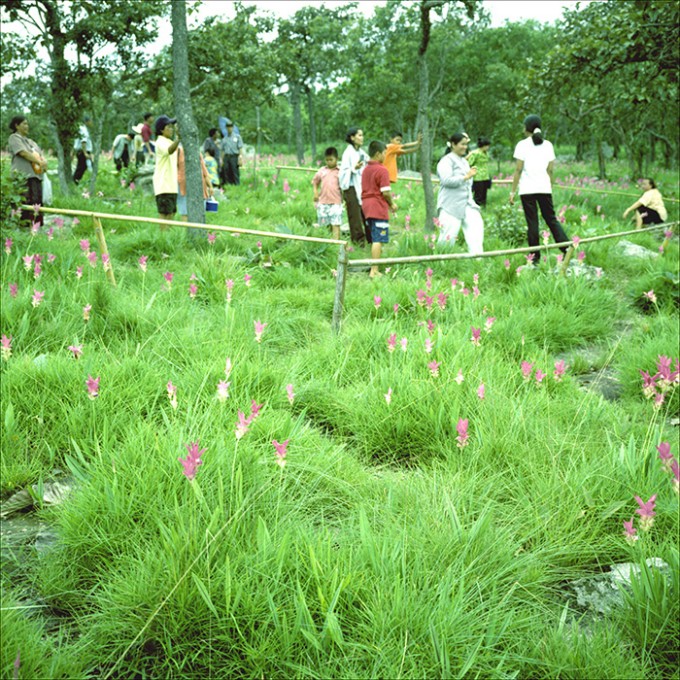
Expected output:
(634, 250)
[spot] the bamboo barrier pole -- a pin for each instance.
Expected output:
(101, 239)
(339, 300)
(567, 260)
(415, 259)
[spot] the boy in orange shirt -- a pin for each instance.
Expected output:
(396, 148)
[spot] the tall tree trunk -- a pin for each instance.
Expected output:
(312, 120)
(96, 149)
(423, 124)
(601, 161)
(297, 122)
(185, 116)
(61, 160)
(257, 143)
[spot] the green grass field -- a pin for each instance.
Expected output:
(392, 543)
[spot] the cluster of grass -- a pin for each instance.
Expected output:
(382, 548)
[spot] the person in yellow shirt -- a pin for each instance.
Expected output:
(396, 148)
(649, 208)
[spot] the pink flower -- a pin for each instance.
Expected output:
(650, 296)
(395, 309)
(434, 368)
(506, 264)
(675, 471)
(50, 234)
(244, 423)
(530, 257)
(13, 289)
(646, 512)
(85, 246)
(377, 301)
(77, 351)
(545, 235)
(193, 290)
(28, 261)
(223, 390)
(79, 272)
(172, 394)
(58, 222)
(581, 256)
(559, 370)
(475, 292)
(404, 344)
(475, 278)
(37, 298)
(86, 312)
(230, 287)
(490, 320)
(420, 297)
(286, 186)
(75, 222)
(441, 300)
(259, 245)
(481, 390)
(465, 291)
(392, 342)
(92, 385)
(37, 270)
(106, 261)
(598, 272)
(290, 394)
(192, 461)
(8, 246)
(6, 347)
(92, 259)
(559, 258)
(51, 258)
(664, 449)
(527, 370)
(388, 396)
(462, 429)
(132, 186)
(575, 241)
(142, 262)
(246, 280)
(168, 276)
(428, 345)
(431, 325)
(629, 531)
(658, 400)
(211, 237)
(281, 451)
(476, 334)
(460, 377)
(454, 283)
(35, 228)
(539, 376)
(259, 330)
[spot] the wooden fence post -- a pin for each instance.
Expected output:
(339, 301)
(101, 239)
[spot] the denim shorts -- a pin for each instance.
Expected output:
(380, 230)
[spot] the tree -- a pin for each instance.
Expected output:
(84, 28)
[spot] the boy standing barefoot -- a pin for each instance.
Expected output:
(376, 202)
(327, 197)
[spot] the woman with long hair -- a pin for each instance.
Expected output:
(535, 158)
(351, 167)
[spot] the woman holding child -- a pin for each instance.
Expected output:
(351, 168)
(455, 204)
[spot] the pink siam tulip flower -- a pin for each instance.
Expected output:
(476, 335)
(92, 258)
(663, 366)
(407, 223)
(646, 512)
(259, 330)
(230, 287)
(58, 222)
(530, 257)
(431, 326)
(132, 186)
(506, 264)
(286, 186)
(168, 276)
(481, 391)
(51, 257)
(193, 290)
(675, 471)
(428, 346)
(106, 261)
(85, 246)
(244, 423)
(35, 228)
(664, 449)
(560, 368)
(28, 262)
(598, 272)
(8, 246)
(36, 208)
(75, 222)
(77, 351)
(37, 270)
(539, 376)
(79, 272)
(37, 298)
(575, 241)
(429, 301)
(6, 347)
(658, 400)
(460, 378)
(86, 312)
(142, 262)
(475, 292)
(465, 291)
(475, 278)
(454, 283)
(246, 280)
(92, 385)
(488, 325)
(648, 384)
(581, 256)
(527, 370)
(290, 394)
(377, 301)
(281, 451)
(434, 368)
(392, 342)
(50, 234)
(172, 394)
(545, 235)
(462, 429)
(420, 297)
(259, 245)
(13, 289)
(191, 463)
(223, 390)
(559, 259)
(441, 300)
(211, 238)
(629, 531)
(388, 396)
(395, 309)
(404, 344)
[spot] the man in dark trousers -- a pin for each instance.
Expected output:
(231, 158)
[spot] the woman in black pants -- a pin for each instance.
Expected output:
(535, 158)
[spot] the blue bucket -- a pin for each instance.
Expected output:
(211, 205)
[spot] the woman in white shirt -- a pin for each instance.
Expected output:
(351, 167)
(649, 208)
(535, 158)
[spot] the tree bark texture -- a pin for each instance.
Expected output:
(297, 122)
(184, 114)
(312, 121)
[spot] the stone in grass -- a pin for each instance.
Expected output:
(603, 593)
(633, 250)
(580, 270)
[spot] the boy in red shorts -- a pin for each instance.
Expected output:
(376, 202)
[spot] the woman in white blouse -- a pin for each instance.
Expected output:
(352, 165)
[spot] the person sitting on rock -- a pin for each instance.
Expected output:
(649, 208)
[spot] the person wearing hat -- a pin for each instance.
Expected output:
(165, 171)
(231, 159)
(138, 145)
(122, 150)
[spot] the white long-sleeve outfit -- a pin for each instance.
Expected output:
(349, 175)
(455, 205)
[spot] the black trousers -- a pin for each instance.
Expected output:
(357, 224)
(33, 195)
(230, 172)
(479, 190)
(544, 202)
(81, 166)
(124, 160)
